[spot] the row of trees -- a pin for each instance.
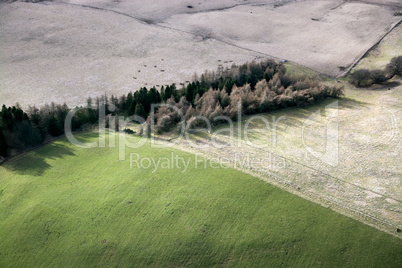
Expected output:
(274, 91)
(21, 130)
(12, 119)
(248, 73)
(139, 103)
(366, 78)
(257, 87)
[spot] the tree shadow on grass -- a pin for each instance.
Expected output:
(343, 103)
(35, 163)
(54, 151)
(86, 137)
(297, 116)
(348, 103)
(29, 164)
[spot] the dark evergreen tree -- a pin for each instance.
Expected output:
(163, 93)
(116, 123)
(123, 103)
(3, 145)
(54, 126)
(26, 136)
(140, 111)
(168, 93)
(131, 109)
(142, 97)
(229, 83)
(190, 90)
(7, 117)
(153, 96)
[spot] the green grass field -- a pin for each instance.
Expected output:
(367, 175)
(62, 206)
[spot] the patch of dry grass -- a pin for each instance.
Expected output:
(381, 55)
(367, 178)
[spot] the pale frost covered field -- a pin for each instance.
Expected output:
(66, 51)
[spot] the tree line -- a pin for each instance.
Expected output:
(366, 78)
(21, 130)
(249, 89)
(256, 86)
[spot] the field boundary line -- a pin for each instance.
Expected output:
(282, 183)
(363, 55)
(326, 174)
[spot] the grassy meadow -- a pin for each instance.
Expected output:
(366, 177)
(64, 206)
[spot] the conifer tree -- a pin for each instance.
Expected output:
(140, 111)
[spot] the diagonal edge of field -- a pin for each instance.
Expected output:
(275, 180)
(364, 54)
(278, 181)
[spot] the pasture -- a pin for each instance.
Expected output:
(66, 206)
(359, 174)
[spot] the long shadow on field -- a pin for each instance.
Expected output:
(347, 103)
(343, 103)
(28, 164)
(54, 151)
(296, 116)
(35, 163)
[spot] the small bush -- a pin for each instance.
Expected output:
(128, 131)
(378, 76)
(395, 66)
(361, 78)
